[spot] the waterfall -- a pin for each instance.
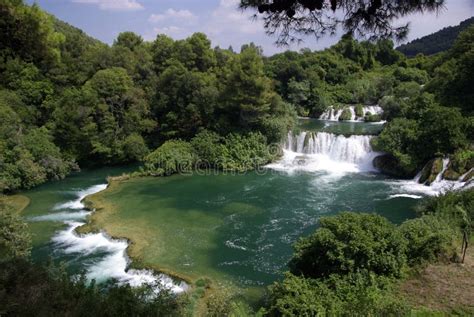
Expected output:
(438, 186)
(314, 151)
(333, 115)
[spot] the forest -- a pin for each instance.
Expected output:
(435, 43)
(69, 102)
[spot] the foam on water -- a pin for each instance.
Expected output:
(114, 265)
(77, 203)
(437, 187)
(333, 115)
(62, 216)
(336, 154)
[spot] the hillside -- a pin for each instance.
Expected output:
(437, 42)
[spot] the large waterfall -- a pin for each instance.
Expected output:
(314, 151)
(332, 114)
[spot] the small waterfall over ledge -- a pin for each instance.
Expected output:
(332, 114)
(322, 151)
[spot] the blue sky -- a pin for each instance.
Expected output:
(219, 19)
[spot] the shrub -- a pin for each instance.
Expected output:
(173, 156)
(208, 147)
(428, 238)
(359, 110)
(369, 117)
(345, 115)
(347, 243)
(245, 152)
(358, 294)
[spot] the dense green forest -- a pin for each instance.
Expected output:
(440, 41)
(69, 101)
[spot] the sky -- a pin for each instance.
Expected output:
(220, 20)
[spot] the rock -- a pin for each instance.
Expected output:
(389, 165)
(430, 171)
(450, 174)
(460, 163)
(469, 176)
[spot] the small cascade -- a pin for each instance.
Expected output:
(332, 114)
(115, 263)
(438, 186)
(314, 151)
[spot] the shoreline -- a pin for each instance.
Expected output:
(16, 202)
(99, 208)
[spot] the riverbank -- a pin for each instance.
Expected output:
(16, 203)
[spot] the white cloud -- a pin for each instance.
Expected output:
(114, 5)
(172, 14)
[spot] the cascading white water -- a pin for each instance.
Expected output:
(413, 187)
(333, 115)
(115, 264)
(333, 153)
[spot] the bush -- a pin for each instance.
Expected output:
(347, 243)
(208, 147)
(359, 110)
(369, 117)
(245, 152)
(428, 238)
(345, 115)
(32, 290)
(358, 294)
(172, 157)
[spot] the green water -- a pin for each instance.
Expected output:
(341, 127)
(227, 227)
(45, 199)
(241, 228)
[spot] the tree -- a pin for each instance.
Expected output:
(27, 32)
(347, 243)
(289, 19)
(129, 40)
(15, 240)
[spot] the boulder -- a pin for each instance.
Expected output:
(431, 171)
(389, 165)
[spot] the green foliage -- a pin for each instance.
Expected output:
(345, 115)
(55, 293)
(429, 238)
(174, 156)
(27, 32)
(437, 42)
(411, 74)
(359, 111)
(369, 117)
(437, 130)
(399, 139)
(15, 240)
(357, 294)
(348, 242)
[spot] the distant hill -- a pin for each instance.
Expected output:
(437, 42)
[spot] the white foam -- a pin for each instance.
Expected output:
(62, 216)
(333, 115)
(311, 152)
(77, 203)
(115, 264)
(405, 196)
(437, 187)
